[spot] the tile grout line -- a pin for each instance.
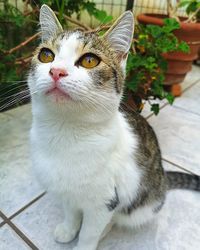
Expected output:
(22, 209)
(18, 232)
(185, 110)
(193, 84)
(26, 206)
(2, 223)
(178, 166)
(166, 104)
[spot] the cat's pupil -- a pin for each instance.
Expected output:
(47, 53)
(89, 59)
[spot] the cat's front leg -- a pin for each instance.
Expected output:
(68, 229)
(94, 223)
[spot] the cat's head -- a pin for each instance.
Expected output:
(79, 71)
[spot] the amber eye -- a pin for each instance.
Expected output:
(89, 61)
(46, 55)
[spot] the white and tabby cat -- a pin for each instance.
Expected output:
(101, 160)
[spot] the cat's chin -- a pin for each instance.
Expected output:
(58, 95)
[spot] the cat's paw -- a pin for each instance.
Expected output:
(64, 234)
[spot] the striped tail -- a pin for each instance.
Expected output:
(177, 180)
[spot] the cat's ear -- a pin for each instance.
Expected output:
(120, 33)
(50, 26)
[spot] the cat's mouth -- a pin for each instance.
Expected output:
(58, 93)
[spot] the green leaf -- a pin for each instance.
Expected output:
(45, 2)
(184, 47)
(170, 24)
(184, 3)
(150, 63)
(192, 7)
(154, 30)
(102, 16)
(167, 43)
(135, 81)
(163, 63)
(108, 19)
(90, 7)
(170, 98)
(157, 87)
(155, 108)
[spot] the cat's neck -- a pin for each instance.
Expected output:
(45, 116)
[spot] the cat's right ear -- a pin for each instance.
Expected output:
(120, 34)
(49, 24)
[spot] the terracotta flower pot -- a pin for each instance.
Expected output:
(179, 63)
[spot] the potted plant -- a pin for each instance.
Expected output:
(179, 63)
(146, 67)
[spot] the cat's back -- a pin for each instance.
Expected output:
(148, 154)
(141, 127)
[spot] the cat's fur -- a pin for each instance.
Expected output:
(103, 162)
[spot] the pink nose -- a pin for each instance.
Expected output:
(57, 73)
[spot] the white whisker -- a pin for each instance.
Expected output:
(17, 99)
(16, 94)
(11, 89)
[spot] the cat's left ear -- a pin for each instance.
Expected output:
(120, 34)
(50, 26)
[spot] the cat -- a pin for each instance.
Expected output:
(101, 159)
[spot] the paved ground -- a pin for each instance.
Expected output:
(28, 216)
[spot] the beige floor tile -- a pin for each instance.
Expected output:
(17, 185)
(190, 100)
(9, 240)
(179, 136)
(14, 128)
(22, 112)
(191, 77)
(39, 221)
(170, 167)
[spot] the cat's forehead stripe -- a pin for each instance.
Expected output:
(70, 42)
(83, 39)
(73, 42)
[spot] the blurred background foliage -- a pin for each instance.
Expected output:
(19, 37)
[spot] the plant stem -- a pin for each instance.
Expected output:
(23, 43)
(192, 16)
(172, 11)
(74, 21)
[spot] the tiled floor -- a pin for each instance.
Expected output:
(28, 215)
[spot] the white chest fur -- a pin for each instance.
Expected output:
(82, 161)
